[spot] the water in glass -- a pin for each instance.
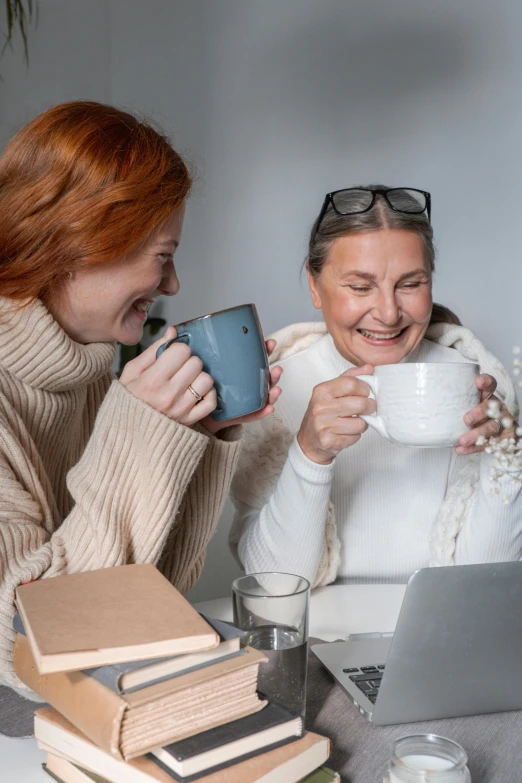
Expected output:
(283, 677)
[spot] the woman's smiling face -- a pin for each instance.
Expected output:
(109, 301)
(375, 293)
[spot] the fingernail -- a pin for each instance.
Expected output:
(469, 418)
(460, 450)
(170, 332)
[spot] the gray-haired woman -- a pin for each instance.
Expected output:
(316, 492)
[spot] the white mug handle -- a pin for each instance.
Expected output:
(373, 419)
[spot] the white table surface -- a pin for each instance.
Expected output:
(335, 612)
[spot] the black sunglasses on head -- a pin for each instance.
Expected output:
(355, 201)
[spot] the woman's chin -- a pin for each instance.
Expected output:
(129, 335)
(130, 328)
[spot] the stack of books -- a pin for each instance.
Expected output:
(143, 689)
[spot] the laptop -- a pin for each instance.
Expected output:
(456, 649)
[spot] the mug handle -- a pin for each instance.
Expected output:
(373, 419)
(181, 338)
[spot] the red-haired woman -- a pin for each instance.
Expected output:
(96, 472)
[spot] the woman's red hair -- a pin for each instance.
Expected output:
(81, 184)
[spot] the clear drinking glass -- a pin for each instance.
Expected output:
(427, 758)
(272, 610)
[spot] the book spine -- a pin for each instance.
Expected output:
(85, 702)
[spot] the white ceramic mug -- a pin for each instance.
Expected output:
(422, 404)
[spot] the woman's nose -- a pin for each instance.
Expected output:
(387, 309)
(169, 284)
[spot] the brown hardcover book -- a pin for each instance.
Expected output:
(287, 764)
(93, 618)
(132, 724)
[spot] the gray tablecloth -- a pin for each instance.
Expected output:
(361, 750)
(16, 714)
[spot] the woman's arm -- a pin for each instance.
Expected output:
(493, 529)
(128, 489)
(291, 529)
(184, 554)
(287, 533)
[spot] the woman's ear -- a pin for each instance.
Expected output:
(314, 290)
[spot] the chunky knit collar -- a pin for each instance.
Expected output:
(35, 349)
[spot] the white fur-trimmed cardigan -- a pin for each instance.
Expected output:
(266, 446)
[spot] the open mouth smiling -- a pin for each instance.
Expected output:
(383, 338)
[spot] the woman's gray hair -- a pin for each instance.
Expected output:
(380, 216)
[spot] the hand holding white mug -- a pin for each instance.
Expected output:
(482, 425)
(332, 420)
(174, 384)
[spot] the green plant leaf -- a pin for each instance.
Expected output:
(19, 14)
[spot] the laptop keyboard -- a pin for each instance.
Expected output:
(368, 679)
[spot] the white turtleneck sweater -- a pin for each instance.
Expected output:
(91, 476)
(385, 496)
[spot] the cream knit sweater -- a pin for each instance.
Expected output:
(90, 476)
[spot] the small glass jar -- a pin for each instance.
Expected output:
(427, 758)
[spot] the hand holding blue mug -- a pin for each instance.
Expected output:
(176, 386)
(231, 347)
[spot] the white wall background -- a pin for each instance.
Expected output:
(277, 102)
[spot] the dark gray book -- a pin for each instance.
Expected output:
(134, 675)
(218, 748)
(18, 625)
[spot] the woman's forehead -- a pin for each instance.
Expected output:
(376, 252)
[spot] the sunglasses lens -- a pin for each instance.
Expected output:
(349, 202)
(412, 201)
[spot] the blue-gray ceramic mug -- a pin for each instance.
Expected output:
(231, 346)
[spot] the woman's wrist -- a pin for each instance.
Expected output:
(314, 472)
(320, 457)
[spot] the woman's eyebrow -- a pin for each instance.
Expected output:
(370, 276)
(356, 273)
(414, 272)
(167, 242)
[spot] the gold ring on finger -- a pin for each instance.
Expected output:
(195, 393)
(500, 427)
